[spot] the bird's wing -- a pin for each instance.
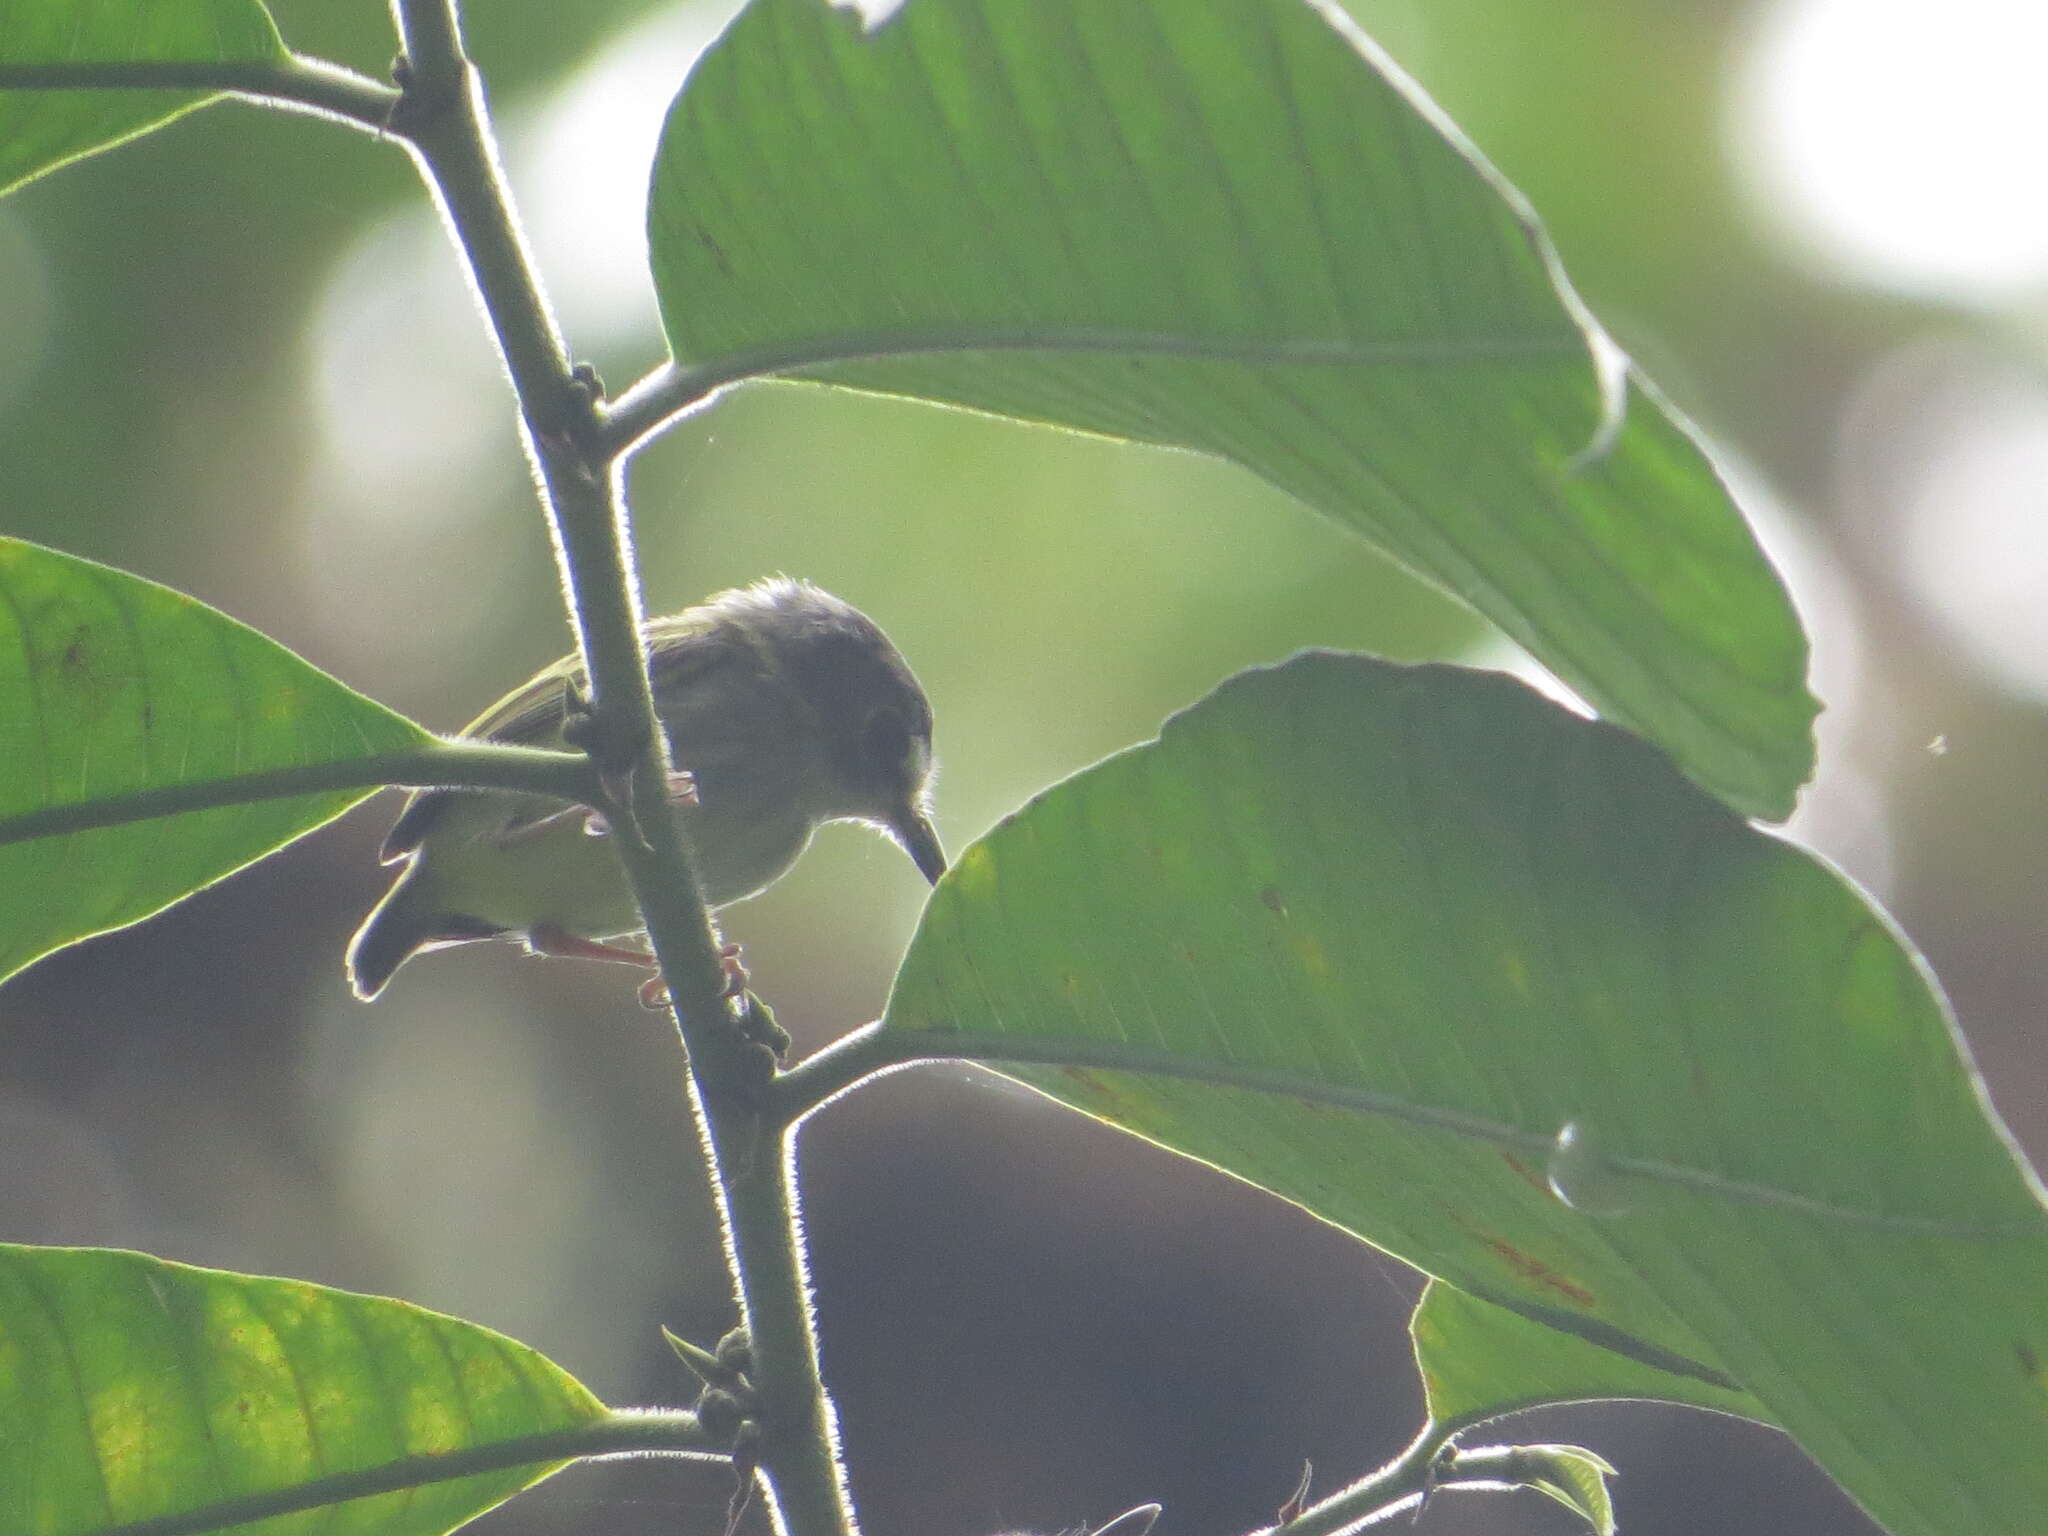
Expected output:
(684, 649)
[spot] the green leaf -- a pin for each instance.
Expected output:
(133, 1388)
(1371, 936)
(41, 41)
(1480, 1361)
(110, 684)
(1229, 225)
(1569, 1474)
(1575, 1478)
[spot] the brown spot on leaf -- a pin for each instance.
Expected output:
(1091, 1085)
(84, 672)
(1526, 1174)
(1532, 1269)
(2030, 1362)
(1271, 897)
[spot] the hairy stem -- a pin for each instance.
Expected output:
(1428, 1466)
(444, 117)
(1400, 1485)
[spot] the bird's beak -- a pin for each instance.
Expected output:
(920, 839)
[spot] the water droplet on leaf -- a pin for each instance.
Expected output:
(1580, 1175)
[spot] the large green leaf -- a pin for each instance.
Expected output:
(1228, 225)
(1391, 930)
(41, 129)
(1480, 1361)
(110, 684)
(132, 1388)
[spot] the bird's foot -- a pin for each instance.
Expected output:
(682, 789)
(654, 990)
(615, 755)
(548, 939)
(736, 977)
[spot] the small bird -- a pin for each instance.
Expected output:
(784, 707)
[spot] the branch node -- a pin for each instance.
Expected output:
(425, 97)
(573, 428)
(711, 1369)
(758, 1028)
(722, 1413)
(613, 743)
(736, 1352)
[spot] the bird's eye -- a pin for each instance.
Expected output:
(885, 739)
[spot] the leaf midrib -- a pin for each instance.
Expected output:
(1308, 351)
(921, 1044)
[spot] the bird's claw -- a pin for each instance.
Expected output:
(654, 994)
(736, 977)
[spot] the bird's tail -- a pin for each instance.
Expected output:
(390, 935)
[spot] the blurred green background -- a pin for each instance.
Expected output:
(237, 357)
